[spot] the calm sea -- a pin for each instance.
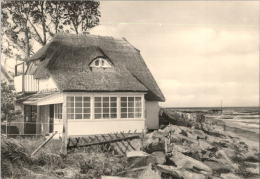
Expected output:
(246, 117)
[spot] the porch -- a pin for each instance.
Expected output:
(82, 114)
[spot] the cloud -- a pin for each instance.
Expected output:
(198, 52)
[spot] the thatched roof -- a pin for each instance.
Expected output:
(67, 57)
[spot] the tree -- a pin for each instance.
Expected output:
(8, 112)
(26, 23)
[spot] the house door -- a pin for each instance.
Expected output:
(51, 118)
(30, 115)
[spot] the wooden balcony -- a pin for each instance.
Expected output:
(26, 84)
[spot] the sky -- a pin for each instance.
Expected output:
(199, 52)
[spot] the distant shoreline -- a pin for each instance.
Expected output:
(226, 107)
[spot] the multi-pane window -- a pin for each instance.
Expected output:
(78, 107)
(105, 107)
(131, 107)
(58, 111)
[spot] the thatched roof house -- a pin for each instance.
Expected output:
(110, 72)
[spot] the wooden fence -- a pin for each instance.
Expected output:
(117, 142)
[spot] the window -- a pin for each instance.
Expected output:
(131, 107)
(58, 111)
(100, 62)
(78, 107)
(105, 107)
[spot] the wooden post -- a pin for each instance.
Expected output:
(65, 126)
(44, 143)
(38, 122)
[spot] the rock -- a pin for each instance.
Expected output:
(198, 134)
(223, 156)
(159, 156)
(115, 177)
(180, 139)
(229, 176)
(180, 148)
(253, 167)
(218, 166)
(136, 154)
(188, 174)
(183, 161)
(173, 129)
(180, 173)
(154, 146)
(136, 162)
(149, 173)
(229, 153)
(68, 172)
(170, 170)
(250, 157)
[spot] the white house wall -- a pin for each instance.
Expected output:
(102, 126)
(18, 83)
(152, 114)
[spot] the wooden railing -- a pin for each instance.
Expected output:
(26, 84)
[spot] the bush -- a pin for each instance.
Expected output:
(13, 157)
(49, 160)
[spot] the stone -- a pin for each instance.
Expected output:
(221, 154)
(159, 156)
(251, 157)
(180, 148)
(183, 161)
(155, 146)
(136, 154)
(149, 173)
(180, 173)
(68, 172)
(218, 166)
(170, 170)
(229, 176)
(192, 175)
(136, 162)
(198, 133)
(115, 177)
(253, 167)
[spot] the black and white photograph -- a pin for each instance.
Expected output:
(127, 89)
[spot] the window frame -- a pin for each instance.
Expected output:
(100, 62)
(134, 107)
(118, 105)
(75, 107)
(102, 107)
(58, 111)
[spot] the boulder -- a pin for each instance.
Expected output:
(221, 154)
(159, 157)
(170, 170)
(229, 176)
(188, 174)
(149, 173)
(218, 166)
(198, 134)
(136, 162)
(183, 161)
(158, 145)
(136, 154)
(253, 167)
(180, 148)
(251, 157)
(180, 173)
(67, 172)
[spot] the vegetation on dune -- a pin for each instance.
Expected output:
(195, 148)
